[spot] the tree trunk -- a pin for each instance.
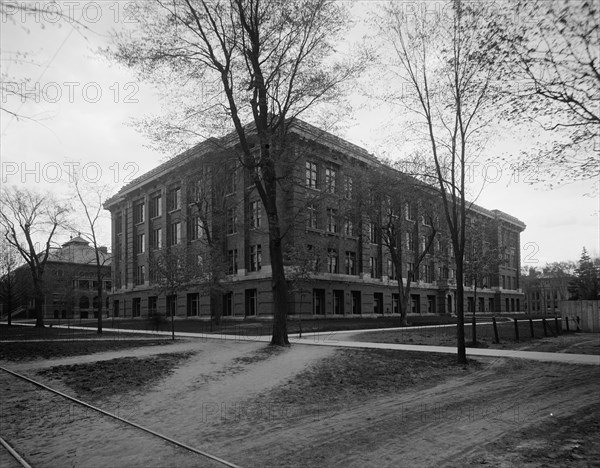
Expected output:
(216, 305)
(39, 308)
(404, 301)
(280, 290)
(9, 301)
(99, 306)
(460, 316)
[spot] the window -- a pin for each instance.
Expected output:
(332, 261)
(174, 233)
(332, 220)
(431, 309)
(193, 304)
(174, 199)
(409, 211)
(330, 179)
(373, 267)
(152, 305)
(392, 270)
(338, 302)
(136, 306)
(428, 273)
(84, 302)
(156, 238)
(311, 174)
(196, 228)
(231, 182)
(156, 205)
(311, 216)
(255, 257)
(356, 302)
(231, 221)
(140, 274)
(410, 271)
(140, 243)
(409, 241)
(423, 243)
(228, 304)
(107, 285)
(314, 262)
(251, 301)
(348, 186)
(255, 215)
(232, 262)
(138, 212)
(373, 233)
(348, 227)
(350, 266)
(118, 223)
(378, 303)
(318, 301)
(395, 302)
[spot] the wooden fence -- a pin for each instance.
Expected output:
(587, 311)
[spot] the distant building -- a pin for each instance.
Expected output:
(354, 275)
(70, 283)
(543, 291)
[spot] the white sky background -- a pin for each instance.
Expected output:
(82, 126)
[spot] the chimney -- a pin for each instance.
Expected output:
(103, 249)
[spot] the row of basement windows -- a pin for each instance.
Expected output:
(251, 304)
(318, 303)
(192, 304)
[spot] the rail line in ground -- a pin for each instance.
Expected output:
(111, 415)
(14, 454)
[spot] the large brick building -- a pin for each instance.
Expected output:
(69, 283)
(326, 228)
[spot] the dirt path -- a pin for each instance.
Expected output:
(430, 427)
(223, 399)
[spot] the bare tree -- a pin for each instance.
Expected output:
(267, 61)
(482, 259)
(557, 59)
(28, 217)
(403, 218)
(174, 269)
(450, 63)
(13, 87)
(206, 225)
(8, 263)
(91, 198)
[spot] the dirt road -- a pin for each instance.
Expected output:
(260, 407)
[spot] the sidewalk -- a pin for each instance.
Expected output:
(331, 339)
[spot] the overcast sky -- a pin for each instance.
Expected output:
(84, 105)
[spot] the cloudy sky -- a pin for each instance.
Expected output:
(81, 105)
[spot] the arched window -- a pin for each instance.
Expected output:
(96, 302)
(84, 302)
